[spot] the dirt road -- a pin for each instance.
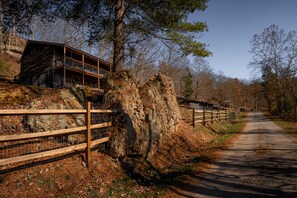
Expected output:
(261, 163)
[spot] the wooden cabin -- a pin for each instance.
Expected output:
(60, 65)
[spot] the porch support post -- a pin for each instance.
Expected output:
(64, 77)
(83, 62)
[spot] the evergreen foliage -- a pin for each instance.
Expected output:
(120, 21)
(187, 84)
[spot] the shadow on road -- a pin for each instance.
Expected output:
(261, 163)
(259, 179)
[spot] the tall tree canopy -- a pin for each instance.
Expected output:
(121, 21)
(275, 55)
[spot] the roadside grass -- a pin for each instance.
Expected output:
(288, 126)
(233, 128)
(222, 141)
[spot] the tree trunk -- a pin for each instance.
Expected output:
(1, 39)
(34, 27)
(9, 39)
(119, 36)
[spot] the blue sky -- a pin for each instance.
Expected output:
(232, 24)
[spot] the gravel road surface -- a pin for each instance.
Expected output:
(261, 163)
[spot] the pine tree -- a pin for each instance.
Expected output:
(124, 21)
(187, 81)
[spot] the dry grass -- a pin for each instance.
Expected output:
(64, 178)
(12, 95)
(290, 127)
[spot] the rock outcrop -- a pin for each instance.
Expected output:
(146, 116)
(66, 99)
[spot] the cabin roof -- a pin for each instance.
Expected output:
(62, 45)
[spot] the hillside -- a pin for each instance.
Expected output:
(131, 175)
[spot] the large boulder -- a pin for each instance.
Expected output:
(146, 115)
(161, 109)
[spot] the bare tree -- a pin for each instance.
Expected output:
(275, 55)
(143, 60)
(173, 65)
(204, 78)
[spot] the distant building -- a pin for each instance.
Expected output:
(197, 104)
(60, 65)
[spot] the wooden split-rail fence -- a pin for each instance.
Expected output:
(86, 145)
(205, 116)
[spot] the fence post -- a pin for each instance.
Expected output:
(226, 118)
(194, 117)
(211, 113)
(88, 134)
(219, 115)
(204, 121)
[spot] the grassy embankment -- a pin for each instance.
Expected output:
(158, 188)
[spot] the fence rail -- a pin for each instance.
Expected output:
(51, 111)
(86, 145)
